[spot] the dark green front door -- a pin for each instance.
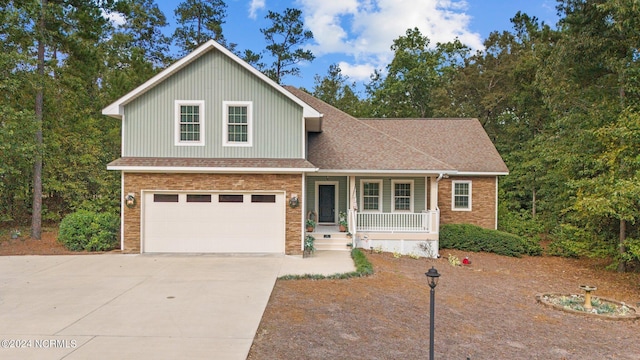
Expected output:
(326, 203)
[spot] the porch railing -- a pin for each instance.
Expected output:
(398, 222)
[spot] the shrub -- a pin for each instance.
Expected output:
(363, 266)
(574, 241)
(520, 223)
(90, 231)
(474, 238)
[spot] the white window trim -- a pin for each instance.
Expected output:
(225, 119)
(453, 195)
(177, 105)
(380, 196)
(393, 195)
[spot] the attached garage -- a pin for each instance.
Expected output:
(213, 222)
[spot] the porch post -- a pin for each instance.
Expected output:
(433, 204)
(353, 205)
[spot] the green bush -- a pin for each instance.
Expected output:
(363, 266)
(574, 241)
(474, 238)
(90, 231)
(520, 223)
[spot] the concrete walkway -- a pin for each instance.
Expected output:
(140, 306)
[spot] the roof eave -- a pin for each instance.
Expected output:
(482, 173)
(387, 171)
(201, 169)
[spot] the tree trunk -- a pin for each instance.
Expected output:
(36, 218)
(622, 266)
(533, 204)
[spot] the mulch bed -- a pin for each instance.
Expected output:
(486, 310)
(25, 245)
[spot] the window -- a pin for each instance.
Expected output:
(402, 199)
(189, 122)
(263, 198)
(461, 195)
(230, 198)
(165, 198)
(237, 123)
(371, 191)
(198, 198)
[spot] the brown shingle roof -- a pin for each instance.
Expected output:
(462, 143)
(399, 144)
(347, 143)
(145, 162)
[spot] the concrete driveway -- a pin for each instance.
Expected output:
(132, 306)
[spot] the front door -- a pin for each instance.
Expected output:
(326, 203)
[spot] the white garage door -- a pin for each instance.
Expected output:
(213, 222)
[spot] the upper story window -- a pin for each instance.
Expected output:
(371, 197)
(237, 124)
(461, 195)
(189, 122)
(402, 197)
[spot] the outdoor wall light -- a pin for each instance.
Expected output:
(130, 200)
(293, 201)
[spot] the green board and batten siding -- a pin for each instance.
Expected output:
(149, 122)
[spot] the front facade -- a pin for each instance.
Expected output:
(217, 158)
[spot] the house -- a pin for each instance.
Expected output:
(216, 157)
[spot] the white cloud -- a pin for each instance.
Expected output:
(116, 18)
(254, 6)
(365, 29)
(356, 72)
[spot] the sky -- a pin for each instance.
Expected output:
(357, 34)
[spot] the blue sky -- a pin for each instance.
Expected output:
(357, 34)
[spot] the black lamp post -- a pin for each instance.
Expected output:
(433, 276)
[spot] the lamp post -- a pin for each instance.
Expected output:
(433, 276)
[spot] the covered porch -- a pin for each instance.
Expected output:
(388, 212)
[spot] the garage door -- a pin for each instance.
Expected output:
(213, 222)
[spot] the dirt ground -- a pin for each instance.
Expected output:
(24, 245)
(483, 311)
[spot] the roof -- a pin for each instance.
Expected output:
(116, 109)
(422, 145)
(140, 164)
(463, 143)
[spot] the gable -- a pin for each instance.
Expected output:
(214, 82)
(115, 109)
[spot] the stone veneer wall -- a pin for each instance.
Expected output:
(136, 182)
(483, 202)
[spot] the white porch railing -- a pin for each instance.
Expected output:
(426, 221)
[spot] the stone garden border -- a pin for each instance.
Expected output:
(632, 316)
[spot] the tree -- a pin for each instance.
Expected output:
(285, 38)
(199, 21)
(141, 33)
(600, 117)
(56, 64)
(134, 51)
(413, 76)
(334, 90)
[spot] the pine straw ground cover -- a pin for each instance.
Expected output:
(484, 311)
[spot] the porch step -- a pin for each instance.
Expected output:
(331, 241)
